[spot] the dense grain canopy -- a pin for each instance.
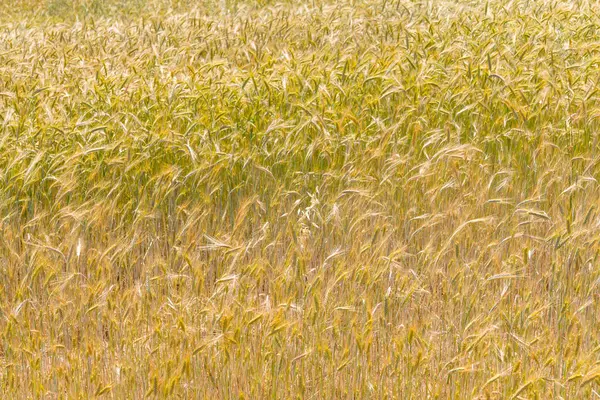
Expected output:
(314, 200)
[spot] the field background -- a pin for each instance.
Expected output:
(299, 200)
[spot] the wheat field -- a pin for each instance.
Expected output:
(353, 199)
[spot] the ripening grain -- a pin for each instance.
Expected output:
(368, 199)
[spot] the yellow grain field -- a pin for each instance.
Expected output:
(354, 199)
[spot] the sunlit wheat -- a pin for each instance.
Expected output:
(360, 199)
